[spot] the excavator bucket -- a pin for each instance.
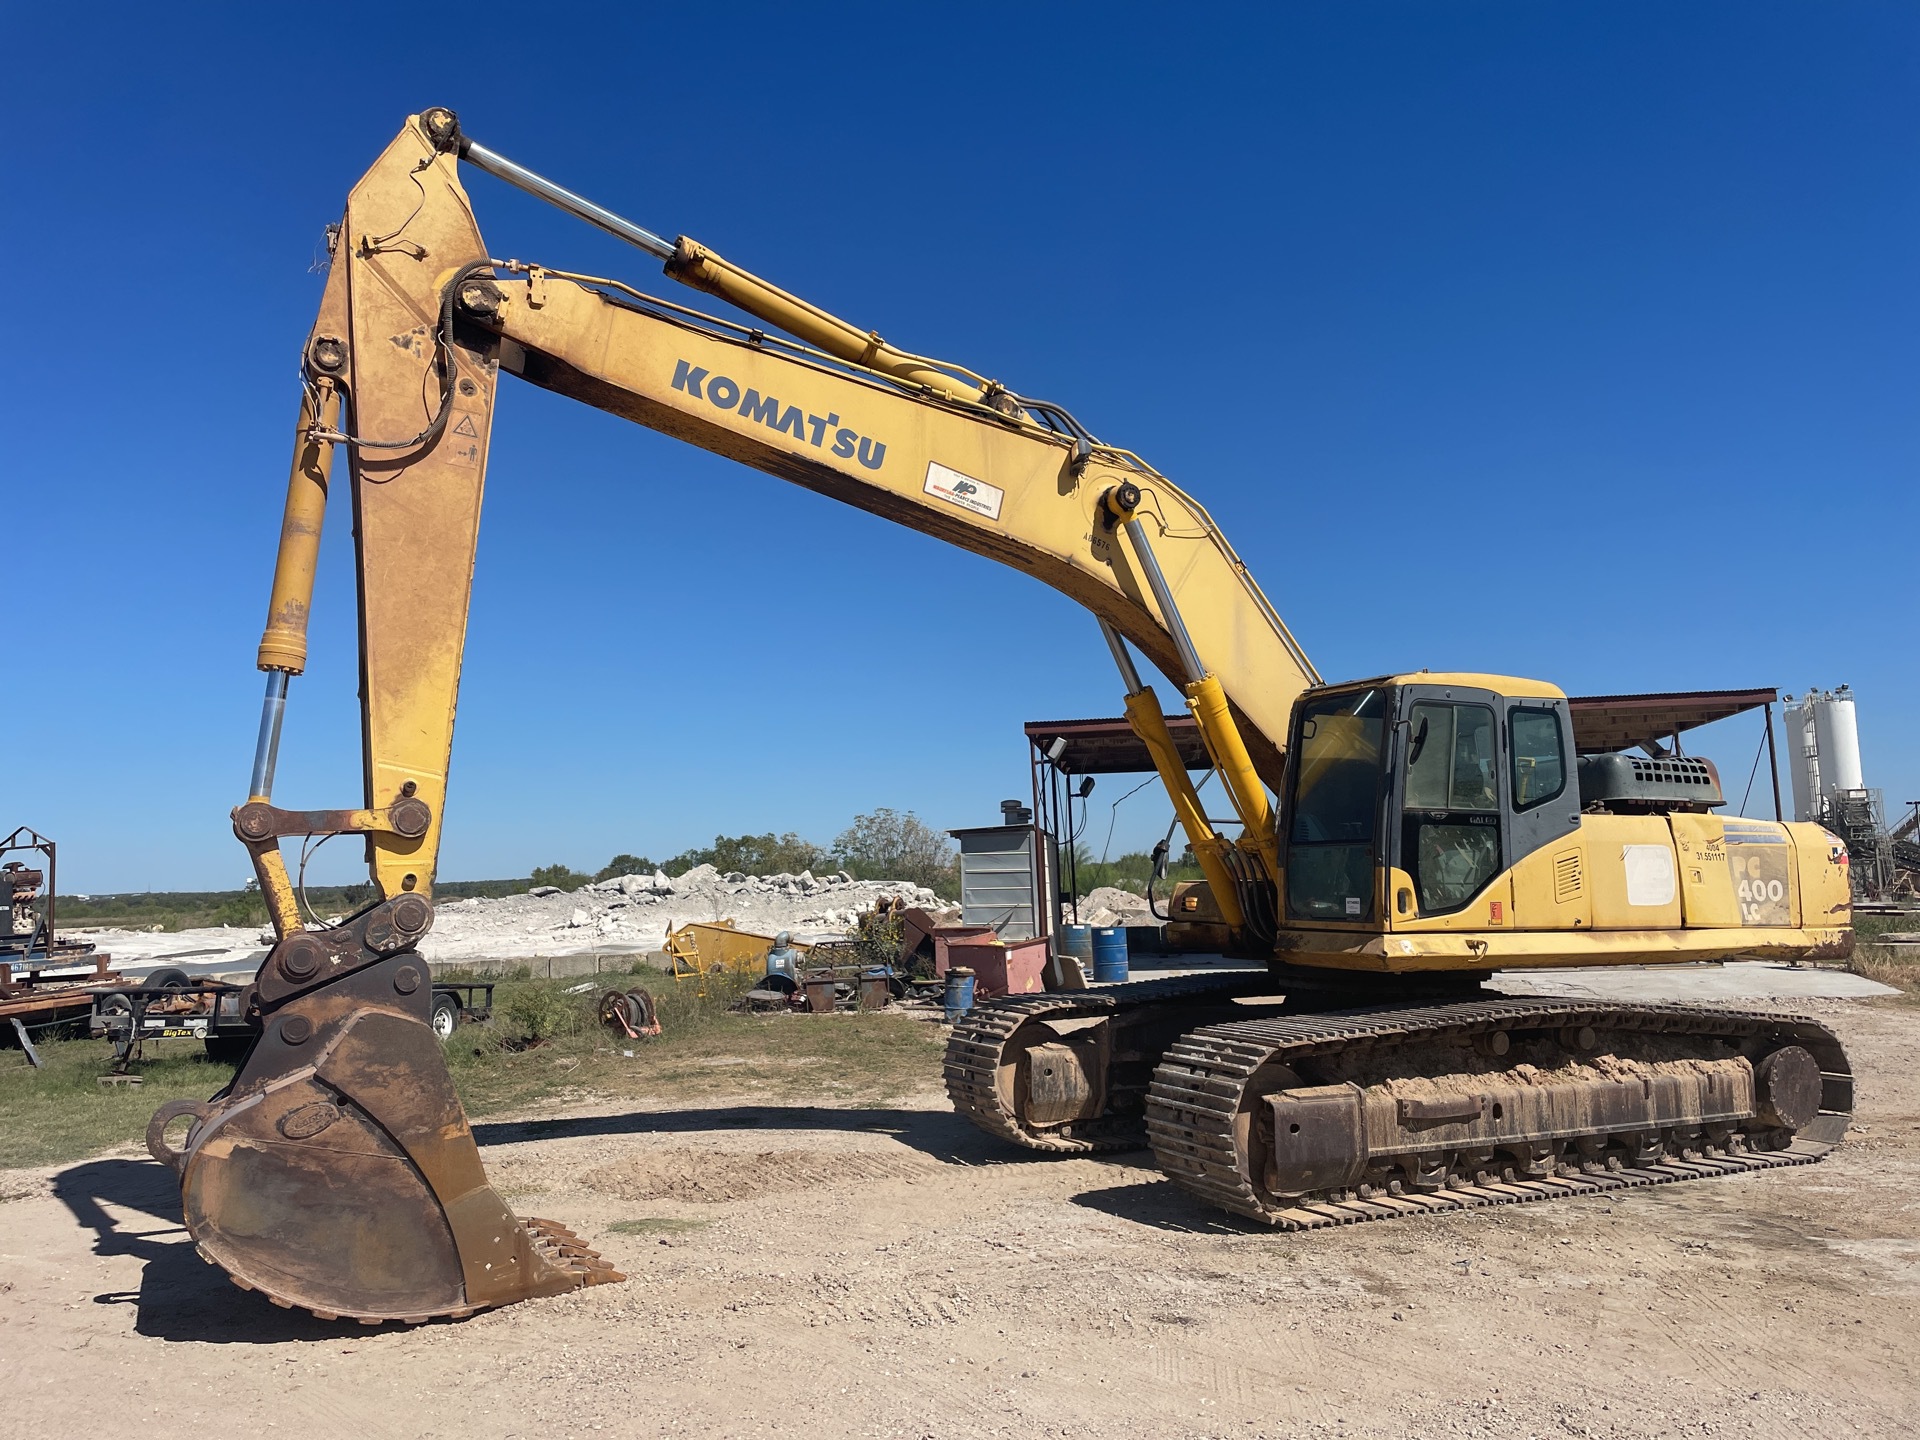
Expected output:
(338, 1173)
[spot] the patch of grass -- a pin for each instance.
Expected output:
(544, 1046)
(1869, 928)
(60, 1112)
(704, 1050)
(657, 1225)
(1888, 965)
(1895, 965)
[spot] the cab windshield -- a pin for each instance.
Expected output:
(1336, 806)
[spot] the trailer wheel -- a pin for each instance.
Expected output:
(169, 979)
(446, 1015)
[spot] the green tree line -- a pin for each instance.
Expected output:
(884, 844)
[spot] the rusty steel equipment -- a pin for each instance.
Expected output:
(1400, 838)
(23, 888)
(39, 988)
(29, 901)
(631, 1013)
(822, 989)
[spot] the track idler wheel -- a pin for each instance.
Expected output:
(338, 1172)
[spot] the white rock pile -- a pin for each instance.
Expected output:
(629, 914)
(632, 913)
(1111, 906)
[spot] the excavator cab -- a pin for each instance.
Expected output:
(1448, 822)
(1410, 797)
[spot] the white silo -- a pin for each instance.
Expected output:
(1837, 733)
(1803, 757)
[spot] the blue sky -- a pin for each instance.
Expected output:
(1575, 341)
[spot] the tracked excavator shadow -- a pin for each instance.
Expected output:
(938, 1134)
(1161, 1205)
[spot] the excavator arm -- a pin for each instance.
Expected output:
(415, 327)
(338, 1172)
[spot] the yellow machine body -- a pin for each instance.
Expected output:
(1516, 878)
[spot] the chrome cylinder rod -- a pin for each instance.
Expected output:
(1123, 657)
(1169, 612)
(581, 208)
(266, 750)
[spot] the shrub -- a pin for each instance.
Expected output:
(536, 1013)
(625, 865)
(767, 854)
(244, 909)
(887, 845)
(563, 877)
(1129, 872)
(876, 939)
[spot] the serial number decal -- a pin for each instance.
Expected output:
(1762, 883)
(964, 491)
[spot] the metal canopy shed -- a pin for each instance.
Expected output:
(1109, 747)
(1601, 724)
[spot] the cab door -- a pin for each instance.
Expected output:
(1547, 854)
(1485, 796)
(1451, 836)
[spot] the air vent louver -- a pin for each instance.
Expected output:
(1567, 879)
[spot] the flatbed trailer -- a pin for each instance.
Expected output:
(223, 1016)
(33, 999)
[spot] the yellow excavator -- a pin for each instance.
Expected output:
(1400, 838)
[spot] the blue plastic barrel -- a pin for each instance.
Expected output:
(1109, 954)
(1077, 941)
(959, 992)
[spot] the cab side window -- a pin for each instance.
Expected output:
(1539, 756)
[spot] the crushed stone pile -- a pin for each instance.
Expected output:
(1108, 905)
(632, 913)
(629, 914)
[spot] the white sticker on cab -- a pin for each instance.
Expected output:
(964, 490)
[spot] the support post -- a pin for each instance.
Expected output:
(33, 1055)
(1773, 764)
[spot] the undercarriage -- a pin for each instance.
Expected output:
(1300, 1112)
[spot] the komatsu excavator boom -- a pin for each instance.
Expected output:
(1430, 827)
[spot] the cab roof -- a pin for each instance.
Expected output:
(1514, 687)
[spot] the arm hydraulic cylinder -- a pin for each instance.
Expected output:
(1208, 702)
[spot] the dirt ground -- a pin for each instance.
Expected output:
(890, 1272)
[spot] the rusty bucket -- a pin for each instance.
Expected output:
(338, 1172)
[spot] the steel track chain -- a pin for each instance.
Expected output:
(979, 1041)
(1200, 1086)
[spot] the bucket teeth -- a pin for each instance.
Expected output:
(564, 1250)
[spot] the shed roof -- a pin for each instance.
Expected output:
(1109, 747)
(1601, 723)
(1620, 722)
